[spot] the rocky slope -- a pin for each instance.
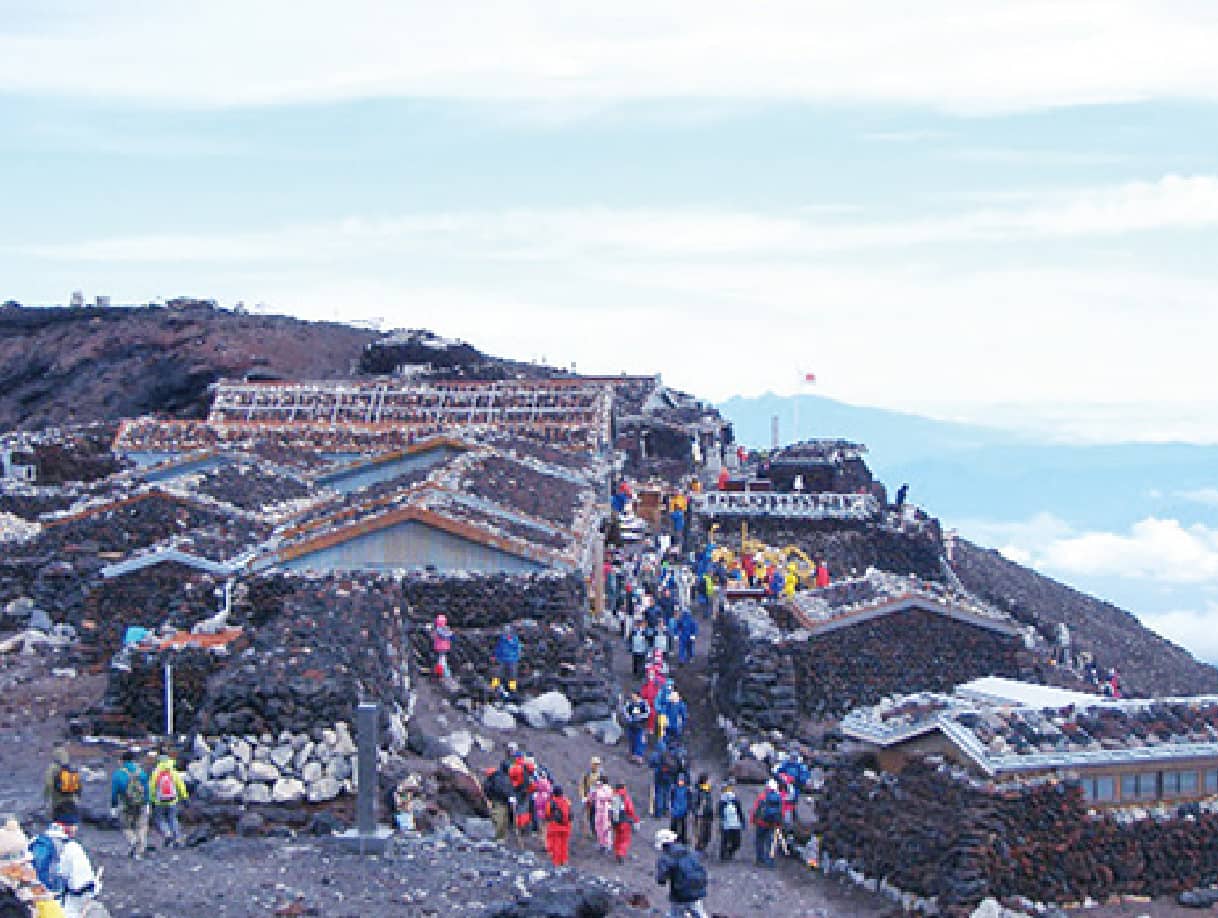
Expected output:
(78, 365)
(1148, 664)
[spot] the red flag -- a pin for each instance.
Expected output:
(809, 377)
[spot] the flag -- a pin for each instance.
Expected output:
(809, 377)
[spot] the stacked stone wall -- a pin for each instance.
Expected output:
(933, 834)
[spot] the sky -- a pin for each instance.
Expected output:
(995, 212)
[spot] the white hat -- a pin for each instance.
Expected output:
(665, 837)
(14, 846)
(675, 696)
(771, 784)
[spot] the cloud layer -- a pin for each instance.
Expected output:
(948, 54)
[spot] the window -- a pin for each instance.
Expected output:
(1099, 790)
(1179, 783)
(1141, 786)
(1211, 781)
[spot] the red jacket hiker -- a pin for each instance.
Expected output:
(558, 828)
(623, 832)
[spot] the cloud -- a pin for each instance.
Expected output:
(1206, 496)
(1156, 549)
(1192, 628)
(1172, 202)
(949, 54)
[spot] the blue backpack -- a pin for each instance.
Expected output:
(46, 857)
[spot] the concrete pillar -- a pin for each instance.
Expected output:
(366, 719)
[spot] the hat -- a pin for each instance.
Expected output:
(675, 695)
(596, 760)
(14, 846)
(665, 837)
(771, 785)
(513, 746)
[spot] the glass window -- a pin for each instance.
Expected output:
(1179, 782)
(1211, 781)
(1099, 790)
(1142, 786)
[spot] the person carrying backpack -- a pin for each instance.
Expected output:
(766, 818)
(166, 791)
(129, 802)
(704, 812)
(441, 644)
(501, 796)
(731, 822)
(624, 820)
(680, 801)
(682, 872)
(61, 789)
(558, 827)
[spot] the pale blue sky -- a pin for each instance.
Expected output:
(1022, 199)
(1002, 212)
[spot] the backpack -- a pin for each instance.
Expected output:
(617, 811)
(731, 815)
(670, 763)
(166, 787)
(135, 794)
(689, 879)
(770, 814)
(45, 856)
(68, 780)
(498, 787)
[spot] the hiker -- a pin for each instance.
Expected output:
(902, 493)
(403, 802)
(587, 784)
(62, 865)
(635, 714)
(679, 802)
(167, 790)
(664, 769)
(602, 799)
(790, 582)
(129, 803)
(558, 827)
(624, 820)
(543, 793)
(61, 789)
(794, 767)
(687, 631)
(441, 644)
(507, 656)
(822, 575)
(704, 812)
(676, 716)
(499, 793)
(682, 872)
(521, 773)
(766, 818)
(649, 692)
(731, 822)
(662, 641)
(639, 644)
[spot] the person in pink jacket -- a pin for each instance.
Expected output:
(442, 643)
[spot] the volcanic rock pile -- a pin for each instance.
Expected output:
(312, 664)
(487, 601)
(755, 672)
(897, 654)
(933, 833)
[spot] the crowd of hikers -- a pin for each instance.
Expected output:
(51, 875)
(657, 602)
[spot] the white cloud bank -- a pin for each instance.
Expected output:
(951, 54)
(1167, 572)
